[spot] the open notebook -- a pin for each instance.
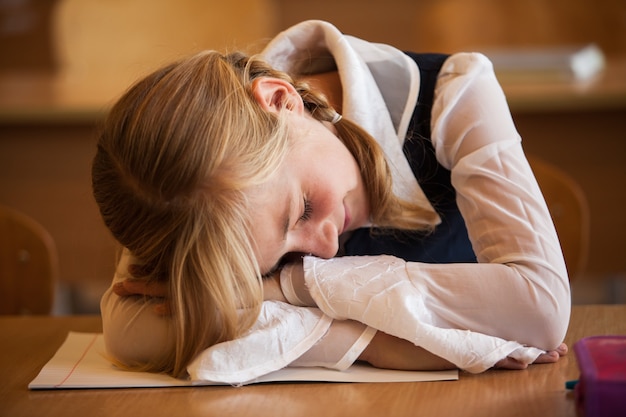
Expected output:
(80, 363)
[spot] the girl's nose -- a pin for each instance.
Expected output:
(321, 240)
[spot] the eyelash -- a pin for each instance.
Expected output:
(306, 215)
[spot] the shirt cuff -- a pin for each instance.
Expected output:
(339, 348)
(294, 288)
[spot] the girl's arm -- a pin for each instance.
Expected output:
(519, 290)
(389, 352)
(135, 319)
(385, 351)
(143, 307)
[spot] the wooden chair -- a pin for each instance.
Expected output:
(569, 210)
(28, 265)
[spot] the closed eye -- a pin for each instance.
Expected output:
(306, 214)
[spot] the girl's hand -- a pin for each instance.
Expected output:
(389, 352)
(159, 291)
(154, 290)
(130, 287)
(548, 357)
(150, 289)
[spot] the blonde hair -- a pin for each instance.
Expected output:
(174, 159)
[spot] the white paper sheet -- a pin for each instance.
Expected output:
(80, 363)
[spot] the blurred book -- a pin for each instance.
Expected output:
(567, 63)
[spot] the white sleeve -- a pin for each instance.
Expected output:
(467, 313)
(283, 335)
(344, 341)
(133, 332)
(384, 293)
(293, 286)
(521, 277)
(340, 347)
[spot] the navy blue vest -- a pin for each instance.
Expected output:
(449, 241)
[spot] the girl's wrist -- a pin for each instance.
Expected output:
(293, 285)
(272, 289)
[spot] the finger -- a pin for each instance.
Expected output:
(562, 349)
(548, 357)
(163, 308)
(510, 363)
(553, 355)
(150, 289)
(120, 290)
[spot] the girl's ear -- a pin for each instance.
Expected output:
(275, 95)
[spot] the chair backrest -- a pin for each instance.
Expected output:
(569, 210)
(28, 265)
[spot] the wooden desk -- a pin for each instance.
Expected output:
(27, 343)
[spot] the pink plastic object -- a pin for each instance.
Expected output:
(601, 389)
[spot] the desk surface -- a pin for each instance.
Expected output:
(27, 343)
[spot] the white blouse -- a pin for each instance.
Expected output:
(514, 302)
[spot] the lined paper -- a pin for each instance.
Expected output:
(80, 362)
